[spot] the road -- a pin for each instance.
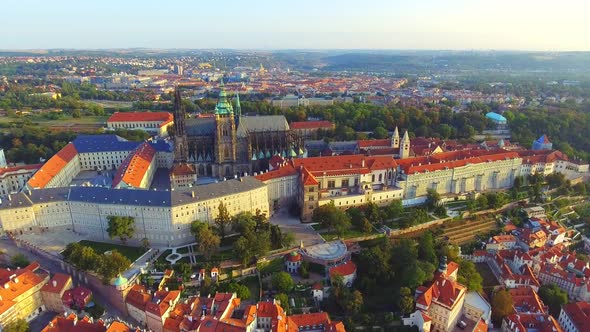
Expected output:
(48, 264)
(302, 232)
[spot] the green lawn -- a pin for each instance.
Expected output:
(132, 253)
(183, 250)
(276, 265)
(218, 256)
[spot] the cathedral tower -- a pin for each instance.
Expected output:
(225, 135)
(404, 148)
(180, 140)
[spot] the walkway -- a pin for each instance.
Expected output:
(302, 232)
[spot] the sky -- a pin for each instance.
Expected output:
(544, 25)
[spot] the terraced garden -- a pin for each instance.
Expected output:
(465, 231)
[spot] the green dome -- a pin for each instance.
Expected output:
(223, 106)
(120, 281)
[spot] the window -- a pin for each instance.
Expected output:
(311, 189)
(331, 184)
(345, 183)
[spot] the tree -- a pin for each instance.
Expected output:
(19, 260)
(380, 133)
(284, 300)
(469, 276)
(112, 265)
(353, 302)
(554, 297)
(282, 282)
(223, 219)
(406, 300)
(426, 249)
(329, 216)
(76, 113)
(501, 306)
(19, 325)
(432, 198)
(207, 240)
(122, 227)
(395, 209)
(251, 244)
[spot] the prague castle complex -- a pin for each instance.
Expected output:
(250, 163)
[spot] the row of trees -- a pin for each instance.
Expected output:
(107, 265)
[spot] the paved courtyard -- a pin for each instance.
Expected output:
(302, 232)
(52, 241)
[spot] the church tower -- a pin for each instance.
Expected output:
(238, 109)
(395, 139)
(180, 140)
(225, 135)
(404, 148)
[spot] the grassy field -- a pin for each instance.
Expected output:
(276, 265)
(132, 253)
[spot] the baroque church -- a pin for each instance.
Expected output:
(228, 143)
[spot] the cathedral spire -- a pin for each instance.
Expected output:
(238, 108)
(223, 106)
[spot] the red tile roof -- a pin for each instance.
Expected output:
(71, 323)
(307, 321)
(344, 269)
(161, 302)
(53, 166)
(365, 143)
(346, 164)
(182, 169)
(14, 283)
(579, 314)
(283, 171)
(163, 117)
(60, 280)
(7, 170)
(311, 125)
(135, 166)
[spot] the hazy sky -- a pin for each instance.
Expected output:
(280, 24)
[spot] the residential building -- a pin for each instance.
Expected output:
(53, 291)
(575, 317)
(156, 123)
(14, 178)
(20, 294)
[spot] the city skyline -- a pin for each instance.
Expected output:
(266, 25)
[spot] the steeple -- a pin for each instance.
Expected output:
(395, 139)
(238, 108)
(223, 106)
(404, 147)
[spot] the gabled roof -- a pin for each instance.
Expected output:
(60, 280)
(311, 125)
(163, 117)
(53, 166)
(135, 166)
